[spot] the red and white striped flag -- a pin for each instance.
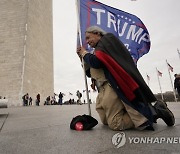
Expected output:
(170, 67)
(148, 77)
(159, 73)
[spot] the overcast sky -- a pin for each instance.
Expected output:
(161, 18)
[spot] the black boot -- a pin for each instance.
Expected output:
(164, 113)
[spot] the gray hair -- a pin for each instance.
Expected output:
(95, 30)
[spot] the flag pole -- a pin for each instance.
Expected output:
(159, 84)
(171, 82)
(178, 53)
(79, 33)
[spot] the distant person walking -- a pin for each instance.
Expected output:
(24, 100)
(38, 99)
(30, 100)
(60, 98)
(27, 99)
(79, 95)
(48, 101)
(177, 83)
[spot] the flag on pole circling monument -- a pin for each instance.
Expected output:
(148, 77)
(159, 73)
(127, 27)
(170, 67)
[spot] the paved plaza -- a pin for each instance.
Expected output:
(45, 130)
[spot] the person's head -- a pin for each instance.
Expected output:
(93, 35)
(175, 75)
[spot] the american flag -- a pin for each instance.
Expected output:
(159, 73)
(148, 77)
(170, 67)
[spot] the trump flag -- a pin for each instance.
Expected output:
(125, 26)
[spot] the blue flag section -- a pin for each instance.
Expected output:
(127, 27)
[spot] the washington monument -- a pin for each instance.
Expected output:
(26, 50)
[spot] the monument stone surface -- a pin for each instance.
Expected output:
(26, 50)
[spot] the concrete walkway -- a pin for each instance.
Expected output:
(45, 130)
